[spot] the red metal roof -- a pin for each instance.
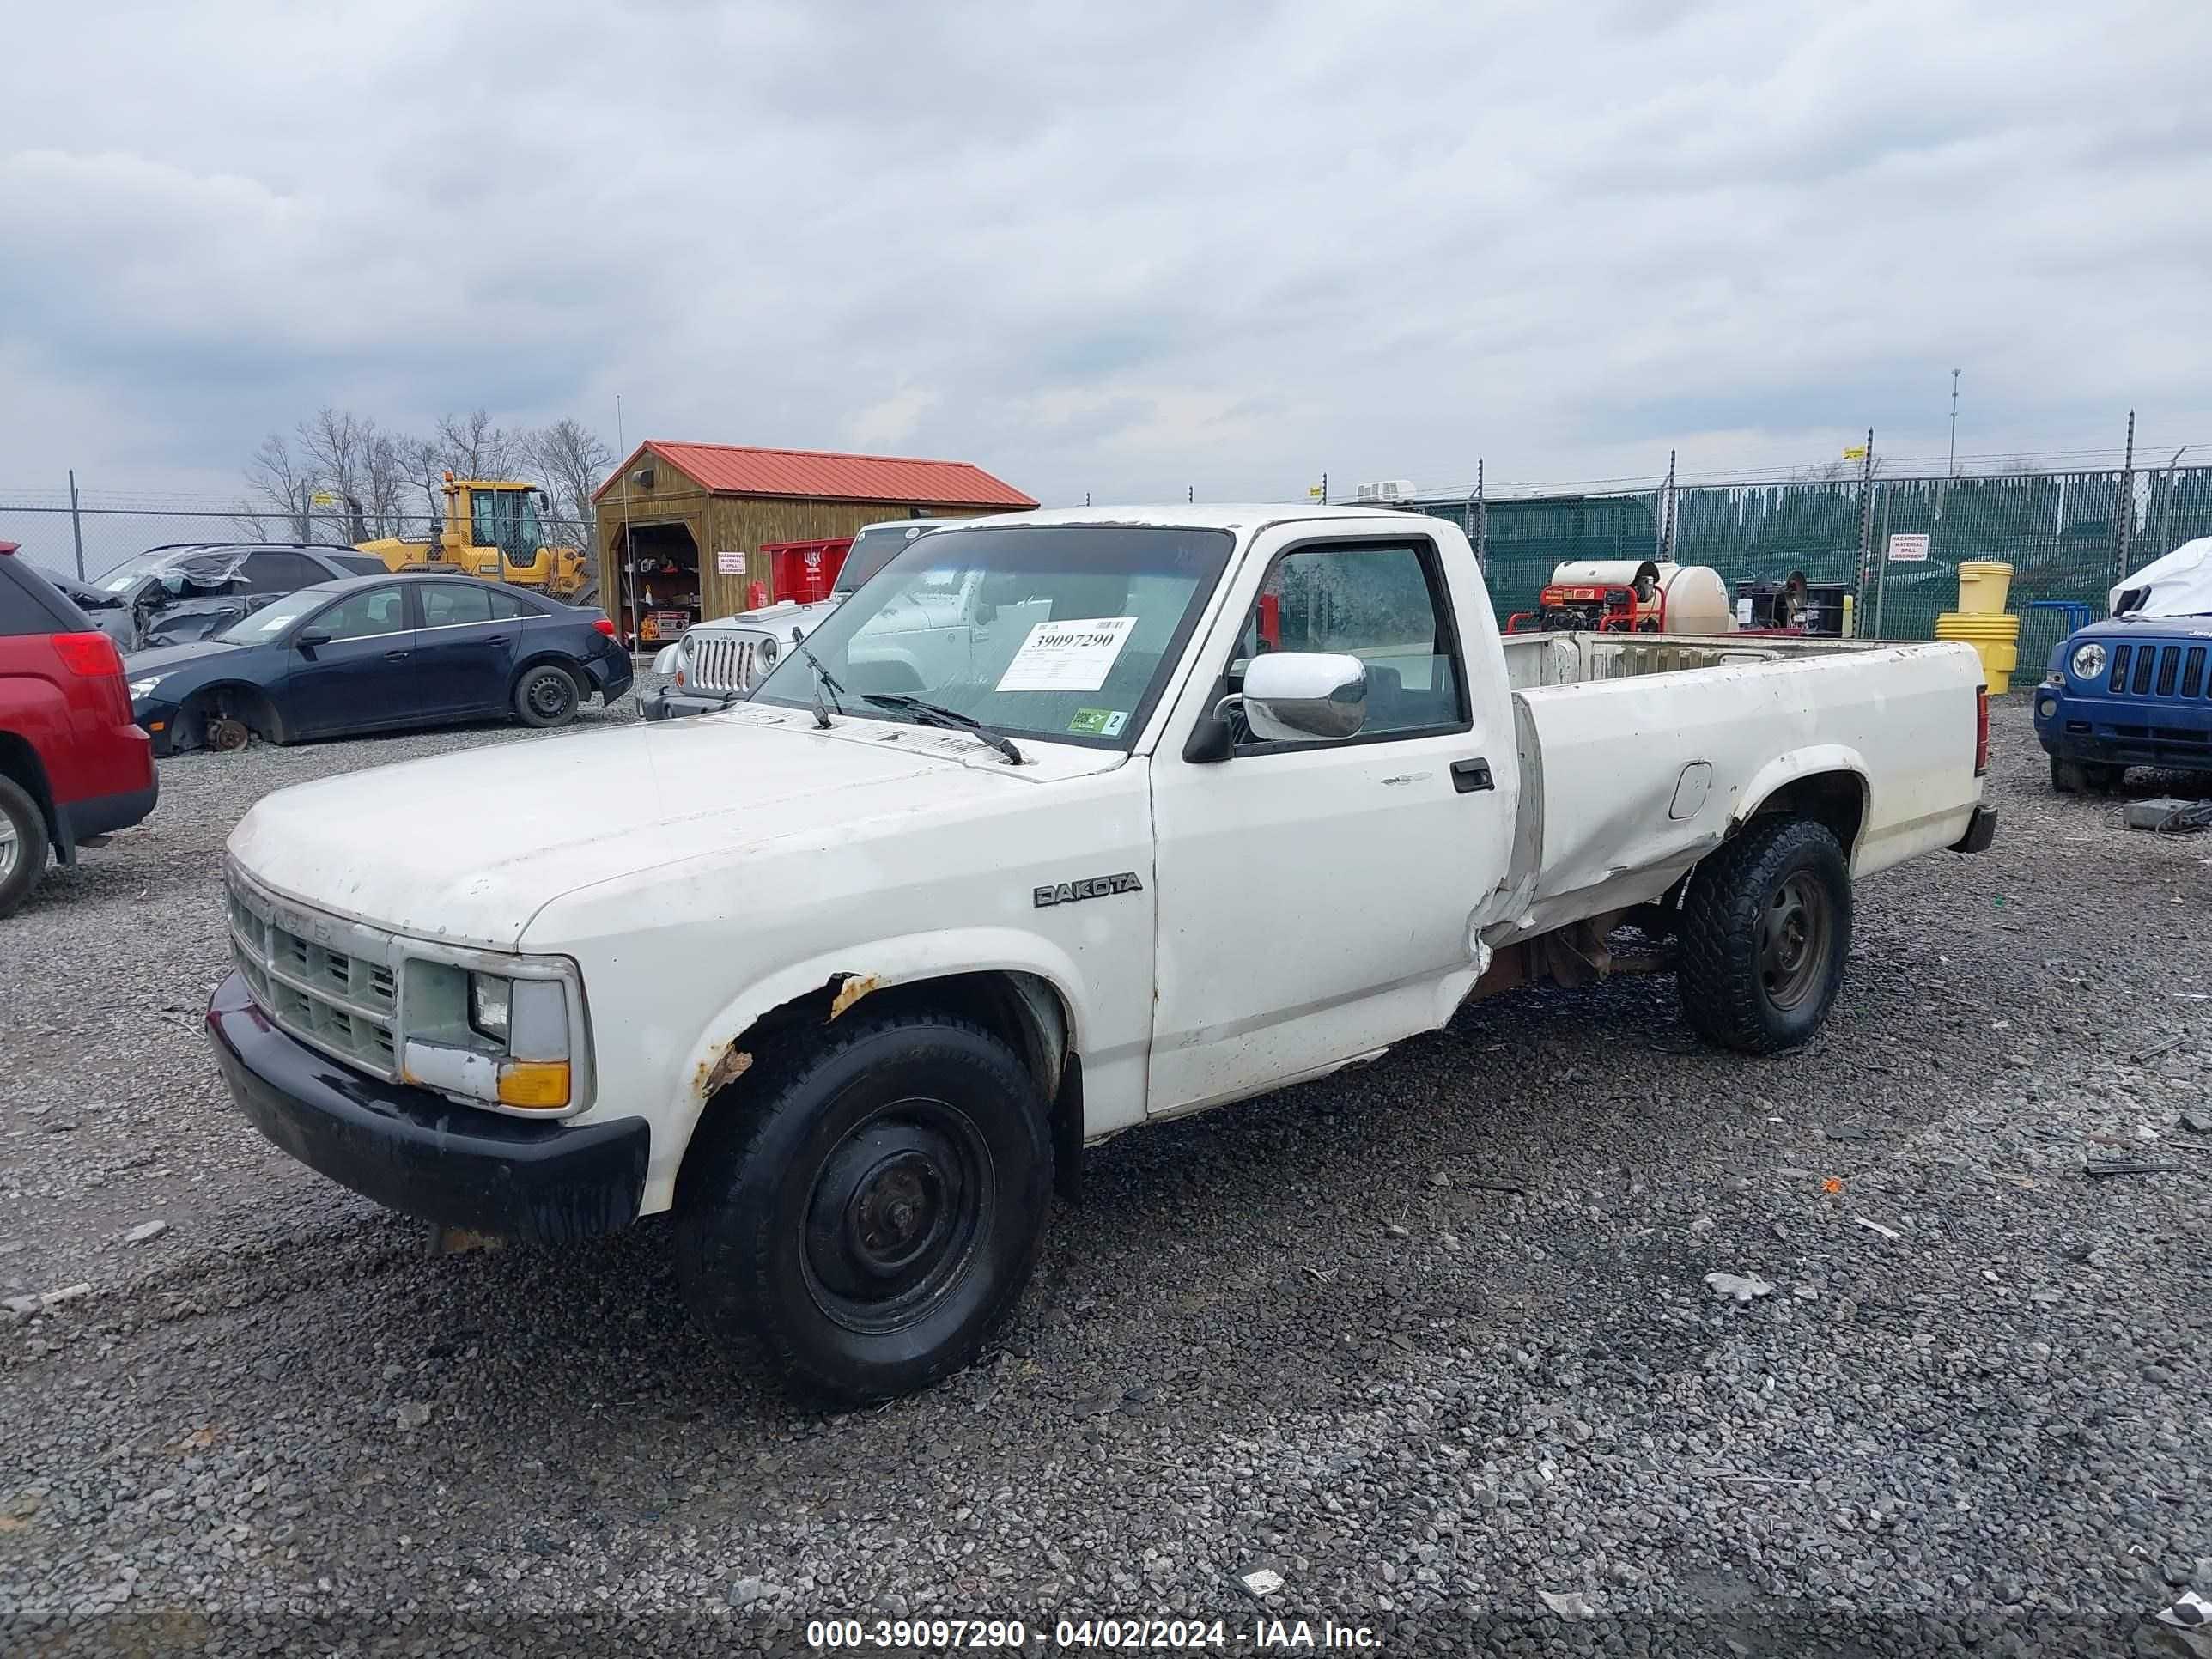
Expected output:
(823, 475)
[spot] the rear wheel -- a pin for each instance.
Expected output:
(862, 1219)
(546, 696)
(22, 845)
(1765, 932)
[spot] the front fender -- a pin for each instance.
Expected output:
(715, 1057)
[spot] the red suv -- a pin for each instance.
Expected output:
(72, 766)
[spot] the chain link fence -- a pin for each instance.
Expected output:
(2060, 531)
(49, 533)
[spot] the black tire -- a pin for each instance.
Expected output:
(2068, 777)
(547, 695)
(2103, 777)
(23, 845)
(1765, 933)
(860, 1219)
(588, 594)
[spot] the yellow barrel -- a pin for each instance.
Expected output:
(1984, 586)
(1995, 640)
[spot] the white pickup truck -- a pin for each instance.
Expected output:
(1209, 801)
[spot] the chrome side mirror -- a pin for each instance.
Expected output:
(1298, 696)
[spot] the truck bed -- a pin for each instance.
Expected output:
(1639, 754)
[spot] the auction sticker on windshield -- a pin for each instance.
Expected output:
(1068, 656)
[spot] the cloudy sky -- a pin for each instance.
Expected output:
(1123, 248)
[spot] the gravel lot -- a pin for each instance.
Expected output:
(1300, 1334)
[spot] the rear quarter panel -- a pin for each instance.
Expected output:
(1606, 760)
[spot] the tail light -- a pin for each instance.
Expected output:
(89, 656)
(602, 625)
(1981, 730)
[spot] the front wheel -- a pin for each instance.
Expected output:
(862, 1219)
(1765, 932)
(546, 696)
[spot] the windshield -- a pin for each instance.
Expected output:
(1062, 632)
(271, 619)
(871, 551)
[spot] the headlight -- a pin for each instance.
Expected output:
(487, 1001)
(505, 1039)
(144, 688)
(767, 650)
(2089, 661)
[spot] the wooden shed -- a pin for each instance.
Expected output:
(684, 523)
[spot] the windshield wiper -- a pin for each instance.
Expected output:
(930, 714)
(821, 678)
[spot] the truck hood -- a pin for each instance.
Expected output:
(469, 848)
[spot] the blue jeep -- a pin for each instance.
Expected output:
(2132, 690)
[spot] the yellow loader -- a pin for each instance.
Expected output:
(490, 529)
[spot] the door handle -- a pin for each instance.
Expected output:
(1468, 775)
(395, 656)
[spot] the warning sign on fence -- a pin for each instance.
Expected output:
(1908, 549)
(727, 563)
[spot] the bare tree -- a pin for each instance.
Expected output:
(282, 480)
(340, 447)
(474, 449)
(390, 485)
(571, 461)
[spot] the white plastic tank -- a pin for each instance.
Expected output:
(1697, 598)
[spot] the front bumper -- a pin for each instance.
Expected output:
(418, 1152)
(666, 703)
(2170, 732)
(157, 718)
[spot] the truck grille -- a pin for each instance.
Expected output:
(2151, 669)
(339, 996)
(722, 662)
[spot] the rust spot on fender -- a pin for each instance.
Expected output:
(855, 987)
(734, 1064)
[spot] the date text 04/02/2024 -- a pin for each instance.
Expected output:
(1141, 1634)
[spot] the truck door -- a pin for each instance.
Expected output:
(1316, 898)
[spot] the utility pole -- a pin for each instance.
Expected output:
(2165, 511)
(1866, 519)
(2127, 500)
(1954, 466)
(622, 576)
(76, 524)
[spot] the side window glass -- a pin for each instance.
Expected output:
(1377, 604)
(280, 573)
(451, 605)
(506, 608)
(363, 616)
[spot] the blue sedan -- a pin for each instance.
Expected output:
(377, 653)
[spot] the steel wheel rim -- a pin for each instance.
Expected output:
(1793, 940)
(897, 1215)
(548, 695)
(11, 847)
